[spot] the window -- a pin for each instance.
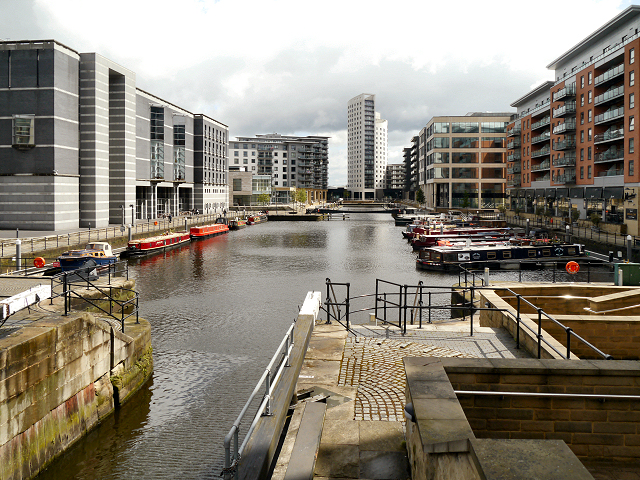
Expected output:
(582, 100)
(590, 116)
(581, 136)
(581, 173)
(589, 155)
(237, 184)
(581, 118)
(590, 96)
(589, 171)
(236, 153)
(631, 145)
(631, 168)
(582, 154)
(23, 131)
(632, 100)
(632, 125)
(589, 134)
(582, 81)
(632, 56)
(590, 77)
(632, 78)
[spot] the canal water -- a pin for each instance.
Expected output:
(218, 309)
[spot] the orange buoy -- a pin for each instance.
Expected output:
(38, 262)
(573, 267)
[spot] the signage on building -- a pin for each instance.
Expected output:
(631, 214)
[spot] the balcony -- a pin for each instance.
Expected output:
(613, 171)
(568, 91)
(513, 157)
(544, 151)
(513, 143)
(610, 115)
(568, 108)
(514, 131)
(609, 135)
(611, 155)
(517, 168)
(541, 138)
(566, 161)
(514, 182)
(566, 144)
(567, 177)
(541, 166)
(569, 125)
(609, 95)
(609, 75)
(541, 123)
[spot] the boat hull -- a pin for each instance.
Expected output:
(148, 246)
(208, 230)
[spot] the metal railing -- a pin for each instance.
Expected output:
(71, 285)
(411, 300)
(266, 383)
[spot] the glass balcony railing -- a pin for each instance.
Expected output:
(611, 155)
(568, 91)
(567, 177)
(611, 172)
(609, 135)
(514, 131)
(566, 109)
(513, 143)
(566, 161)
(541, 153)
(566, 144)
(609, 95)
(541, 166)
(541, 123)
(517, 168)
(513, 157)
(609, 74)
(569, 125)
(612, 114)
(514, 182)
(545, 137)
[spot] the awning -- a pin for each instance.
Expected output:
(576, 192)
(562, 193)
(614, 192)
(522, 193)
(531, 193)
(539, 192)
(593, 193)
(550, 192)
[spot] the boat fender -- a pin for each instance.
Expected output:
(38, 262)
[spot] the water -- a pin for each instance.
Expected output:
(218, 310)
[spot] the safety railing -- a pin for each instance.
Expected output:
(78, 284)
(232, 447)
(413, 301)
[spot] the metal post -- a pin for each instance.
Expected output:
(526, 231)
(347, 307)
(267, 392)
(569, 330)
(18, 253)
(471, 311)
(518, 321)
(629, 248)
(567, 237)
(486, 276)
(429, 307)
(405, 309)
(539, 332)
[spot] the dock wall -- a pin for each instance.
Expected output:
(59, 377)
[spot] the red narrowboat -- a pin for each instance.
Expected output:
(145, 246)
(208, 230)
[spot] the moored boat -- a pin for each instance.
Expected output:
(159, 243)
(237, 224)
(496, 255)
(100, 252)
(204, 231)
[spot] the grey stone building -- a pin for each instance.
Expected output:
(80, 144)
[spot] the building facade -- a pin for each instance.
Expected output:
(572, 146)
(367, 148)
(459, 161)
(80, 144)
(291, 161)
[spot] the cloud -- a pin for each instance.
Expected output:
(290, 67)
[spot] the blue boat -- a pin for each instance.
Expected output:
(99, 252)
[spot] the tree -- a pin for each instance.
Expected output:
(300, 195)
(465, 200)
(595, 219)
(264, 198)
(420, 196)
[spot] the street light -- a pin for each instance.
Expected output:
(122, 207)
(132, 215)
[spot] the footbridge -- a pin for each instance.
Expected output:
(364, 207)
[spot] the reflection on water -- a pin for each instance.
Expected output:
(218, 309)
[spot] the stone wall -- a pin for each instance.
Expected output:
(59, 377)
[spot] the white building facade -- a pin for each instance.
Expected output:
(367, 148)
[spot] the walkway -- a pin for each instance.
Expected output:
(363, 434)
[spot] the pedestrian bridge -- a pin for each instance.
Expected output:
(364, 207)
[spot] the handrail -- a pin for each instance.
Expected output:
(548, 394)
(231, 458)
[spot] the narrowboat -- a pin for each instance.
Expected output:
(237, 224)
(431, 236)
(495, 255)
(205, 231)
(159, 243)
(100, 252)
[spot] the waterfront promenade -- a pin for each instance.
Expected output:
(363, 376)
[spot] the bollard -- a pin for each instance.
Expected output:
(130, 232)
(18, 253)
(620, 279)
(629, 239)
(486, 276)
(567, 237)
(526, 232)
(186, 228)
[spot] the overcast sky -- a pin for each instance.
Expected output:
(290, 66)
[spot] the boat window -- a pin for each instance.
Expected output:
(436, 257)
(571, 251)
(532, 252)
(491, 255)
(546, 252)
(506, 254)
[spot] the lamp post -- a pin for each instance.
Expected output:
(132, 215)
(122, 207)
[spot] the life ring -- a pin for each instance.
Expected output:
(572, 267)
(38, 262)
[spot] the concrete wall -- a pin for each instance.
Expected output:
(59, 377)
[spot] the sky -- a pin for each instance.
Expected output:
(291, 66)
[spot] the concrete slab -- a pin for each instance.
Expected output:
(383, 465)
(342, 461)
(382, 436)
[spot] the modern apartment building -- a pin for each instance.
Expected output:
(291, 161)
(80, 144)
(571, 148)
(367, 145)
(395, 180)
(459, 161)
